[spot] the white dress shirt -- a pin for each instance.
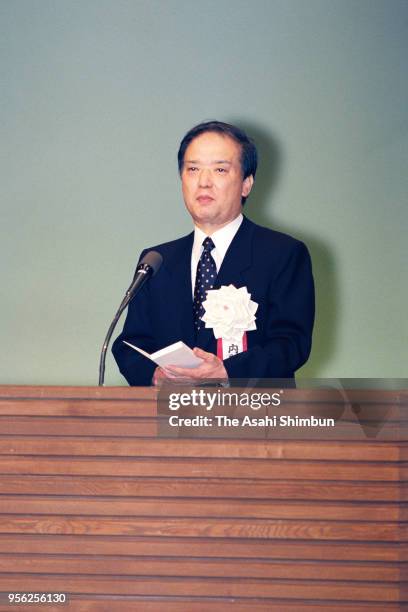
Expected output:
(222, 238)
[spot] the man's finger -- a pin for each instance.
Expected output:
(181, 371)
(203, 354)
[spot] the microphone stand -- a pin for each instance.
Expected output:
(142, 275)
(149, 265)
(112, 326)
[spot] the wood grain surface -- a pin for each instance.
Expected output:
(96, 503)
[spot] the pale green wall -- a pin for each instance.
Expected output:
(95, 98)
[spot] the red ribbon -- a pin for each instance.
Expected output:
(220, 349)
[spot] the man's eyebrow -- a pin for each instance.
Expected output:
(217, 161)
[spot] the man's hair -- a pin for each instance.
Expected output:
(249, 154)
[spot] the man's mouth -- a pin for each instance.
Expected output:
(203, 199)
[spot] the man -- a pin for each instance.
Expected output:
(217, 165)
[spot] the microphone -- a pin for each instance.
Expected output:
(147, 268)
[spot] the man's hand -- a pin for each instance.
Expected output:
(159, 376)
(212, 367)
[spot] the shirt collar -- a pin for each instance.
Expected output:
(222, 238)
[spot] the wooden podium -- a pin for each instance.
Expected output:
(95, 504)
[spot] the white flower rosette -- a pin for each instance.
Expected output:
(230, 312)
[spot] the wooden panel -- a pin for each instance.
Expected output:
(193, 587)
(192, 548)
(100, 394)
(77, 408)
(204, 527)
(260, 509)
(355, 396)
(204, 468)
(64, 426)
(202, 488)
(93, 501)
(345, 434)
(232, 568)
(231, 449)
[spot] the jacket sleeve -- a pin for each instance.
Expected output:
(138, 331)
(287, 333)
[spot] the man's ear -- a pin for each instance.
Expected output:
(247, 185)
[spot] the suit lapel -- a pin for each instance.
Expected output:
(237, 259)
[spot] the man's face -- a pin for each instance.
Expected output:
(212, 180)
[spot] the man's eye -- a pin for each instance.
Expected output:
(221, 170)
(192, 169)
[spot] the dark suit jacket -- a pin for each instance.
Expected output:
(276, 270)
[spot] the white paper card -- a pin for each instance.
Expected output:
(178, 354)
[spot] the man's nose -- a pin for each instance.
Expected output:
(205, 179)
